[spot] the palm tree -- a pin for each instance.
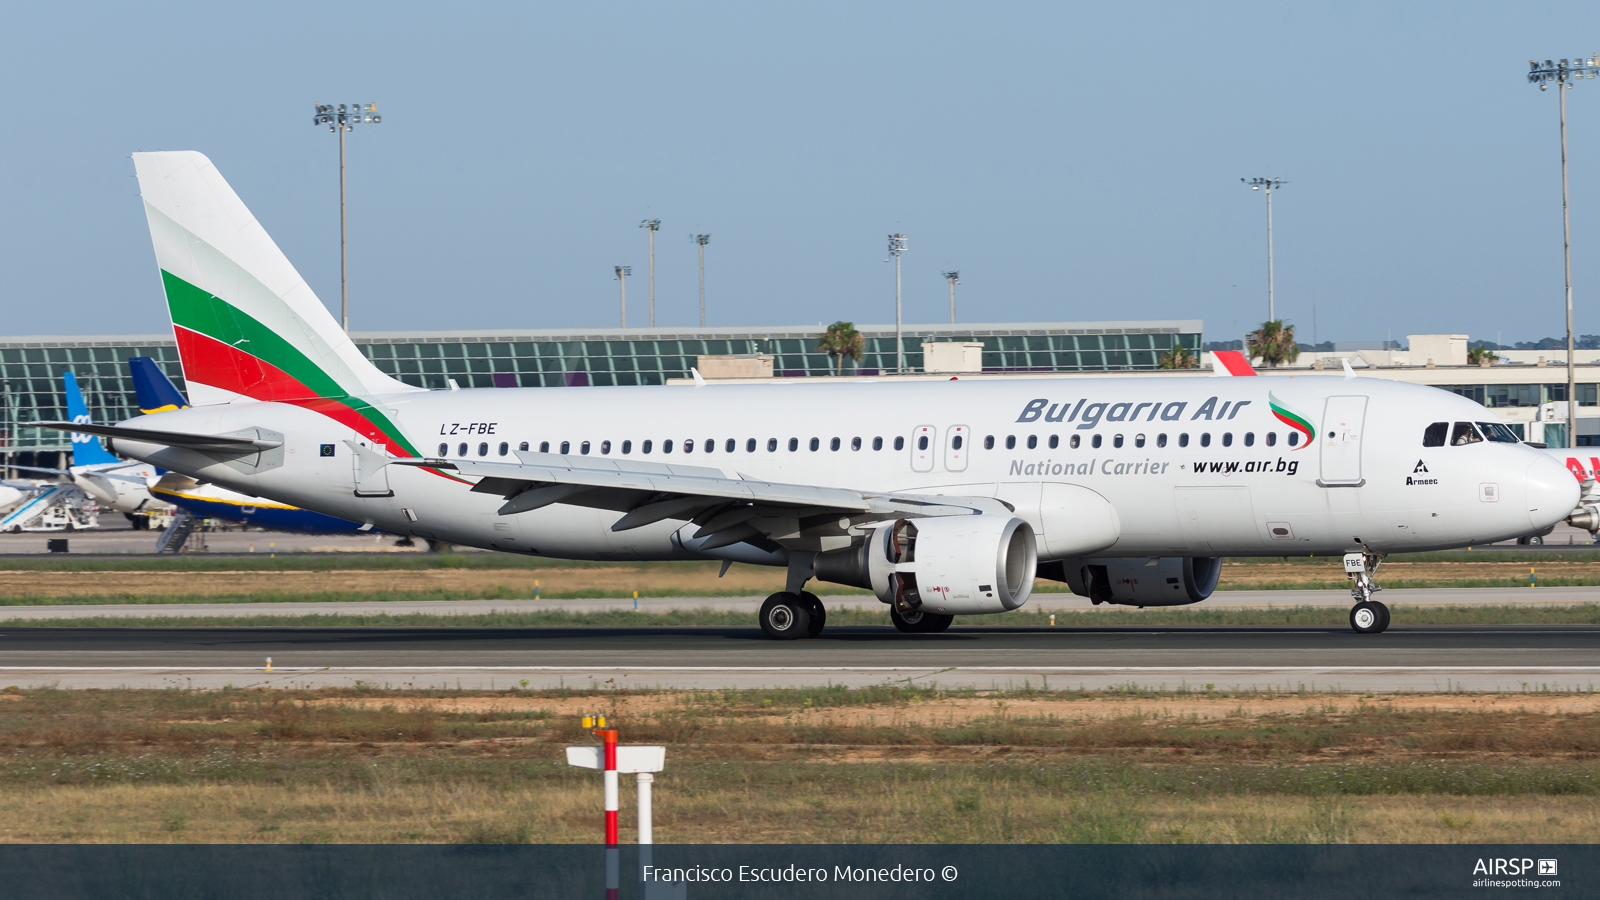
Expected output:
(1273, 343)
(1178, 357)
(1480, 355)
(842, 340)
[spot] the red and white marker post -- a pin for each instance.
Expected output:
(613, 759)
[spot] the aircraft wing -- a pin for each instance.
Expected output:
(215, 443)
(728, 509)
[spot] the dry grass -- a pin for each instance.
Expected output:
(827, 765)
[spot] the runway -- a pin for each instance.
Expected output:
(1520, 596)
(1417, 658)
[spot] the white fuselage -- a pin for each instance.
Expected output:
(1186, 463)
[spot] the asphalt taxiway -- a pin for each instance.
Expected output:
(1414, 658)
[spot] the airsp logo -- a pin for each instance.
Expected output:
(1420, 467)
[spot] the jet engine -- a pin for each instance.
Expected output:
(956, 565)
(1158, 581)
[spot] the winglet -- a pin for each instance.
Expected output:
(1348, 372)
(1230, 362)
(698, 380)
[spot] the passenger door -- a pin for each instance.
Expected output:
(957, 441)
(922, 449)
(1342, 423)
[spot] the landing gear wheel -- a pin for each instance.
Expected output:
(907, 623)
(933, 623)
(784, 617)
(818, 613)
(1369, 617)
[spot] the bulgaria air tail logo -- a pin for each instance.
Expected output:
(1289, 418)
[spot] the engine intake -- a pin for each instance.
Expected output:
(957, 565)
(1166, 581)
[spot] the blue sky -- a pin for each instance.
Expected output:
(1074, 161)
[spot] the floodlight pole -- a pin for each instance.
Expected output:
(702, 240)
(622, 289)
(343, 119)
(955, 279)
(654, 225)
(897, 245)
(1269, 184)
(1564, 75)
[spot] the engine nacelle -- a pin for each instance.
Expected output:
(958, 565)
(1166, 581)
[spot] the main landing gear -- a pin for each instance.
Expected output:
(789, 616)
(919, 622)
(1368, 616)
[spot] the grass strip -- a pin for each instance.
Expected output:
(875, 614)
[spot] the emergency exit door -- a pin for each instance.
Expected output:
(1343, 420)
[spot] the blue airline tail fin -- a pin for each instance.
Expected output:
(86, 449)
(154, 391)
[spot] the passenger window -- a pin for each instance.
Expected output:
(815, 444)
(504, 448)
(1227, 439)
(772, 445)
(483, 449)
(1434, 435)
(1011, 442)
(1076, 439)
(544, 446)
(645, 447)
(855, 443)
(1033, 442)
(627, 447)
(1183, 439)
(1205, 439)
(1465, 434)
(1161, 440)
(444, 449)
(877, 443)
(1272, 439)
(1055, 441)
(1138, 440)
(605, 448)
(794, 444)
(1116, 441)
(750, 446)
(566, 446)
(733, 445)
(833, 444)
(711, 445)
(523, 446)
(461, 449)
(899, 443)
(688, 446)
(1294, 438)
(988, 442)
(666, 446)
(584, 448)
(922, 442)
(955, 442)
(1249, 438)
(1096, 442)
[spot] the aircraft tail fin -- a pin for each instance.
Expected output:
(1230, 362)
(246, 323)
(153, 390)
(86, 449)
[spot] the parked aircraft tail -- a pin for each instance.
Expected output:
(247, 325)
(152, 389)
(86, 448)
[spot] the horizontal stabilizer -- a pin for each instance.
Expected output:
(212, 443)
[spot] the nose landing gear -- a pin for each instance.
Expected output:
(1368, 616)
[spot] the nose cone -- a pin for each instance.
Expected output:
(1552, 492)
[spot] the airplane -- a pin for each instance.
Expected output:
(943, 498)
(120, 484)
(155, 393)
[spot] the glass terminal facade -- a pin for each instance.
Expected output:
(31, 368)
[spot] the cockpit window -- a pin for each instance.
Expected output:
(1500, 434)
(1464, 434)
(1435, 434)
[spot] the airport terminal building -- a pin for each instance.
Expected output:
(31, 367)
